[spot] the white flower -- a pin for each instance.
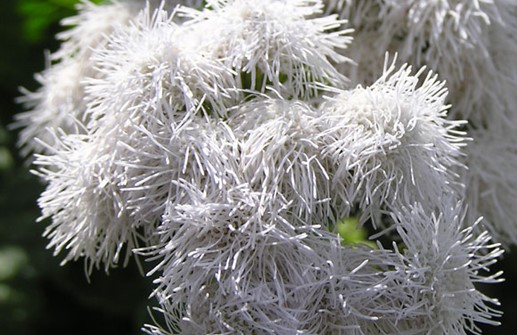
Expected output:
(491, 182)
(470, 44)
(231, 262)
(227, 251)
(274, 43)
(92, 24)
(150, 90)
(444, 262)
(440, 32)
(83, 201)
(155, 94)
(288, 288)
(60, 102)
(154, 67)
(154, 162)
(278, 155)
(488, 98)
(169, 145)
(390, 144)
(238, 252)
(106, 194)
(437, 34)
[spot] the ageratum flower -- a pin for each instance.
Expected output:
(156, 65)
(151, 86)
(278, 154)
(436, 34)
(305, 284)
(424, 285)
(229, 259)
(390, 144)
(186, 160)
(470, 44)
(157, 89)
(238, 255)
(91, 26)
(274, 43)
(236, 260)
(60, 102)
(231, 263)
(488, 100)
(84, 203)
(443, 262)
(491, 182)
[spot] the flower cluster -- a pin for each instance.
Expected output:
(228, 141)
(472, 46)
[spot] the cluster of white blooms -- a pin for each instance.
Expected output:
(472, 45)
(226, 140)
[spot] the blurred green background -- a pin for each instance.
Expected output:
(39, 297)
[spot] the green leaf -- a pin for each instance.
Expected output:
(351, 233)
(40, 15)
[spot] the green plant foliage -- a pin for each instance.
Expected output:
(351, 233)
(39, 15)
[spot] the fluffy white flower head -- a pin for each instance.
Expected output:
(154, 67)
(91, 26)
(93, 178)
(461, 40)
(390, 142)
(278, 154)
(60, 102)
(441, 28)
(444, 261)
(491, 181)
(274, 42)
(83, 201)
(234, 198)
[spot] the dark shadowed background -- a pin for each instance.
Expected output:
(37, 295)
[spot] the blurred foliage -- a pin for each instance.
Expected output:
(39, 15)
(37, 295)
